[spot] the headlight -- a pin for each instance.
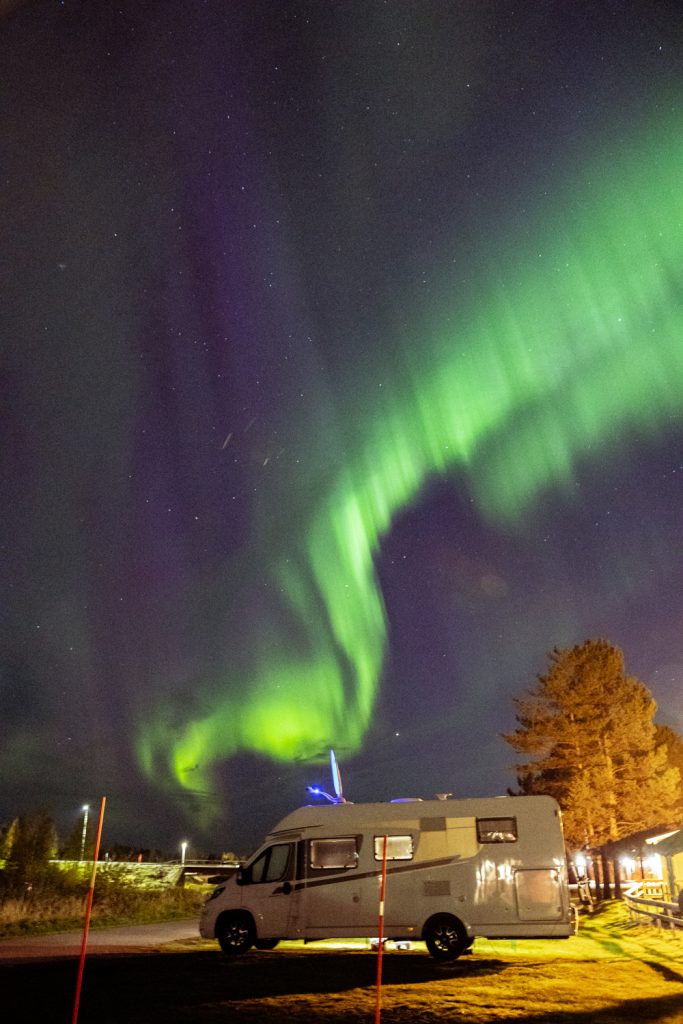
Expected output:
(216, 892)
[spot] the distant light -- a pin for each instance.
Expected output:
(183, 851)
(653, 863)
(85, 809)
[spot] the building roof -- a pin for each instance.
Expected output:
(670, 846)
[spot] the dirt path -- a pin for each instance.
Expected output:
(106, 940)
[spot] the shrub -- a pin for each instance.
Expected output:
(57, 900)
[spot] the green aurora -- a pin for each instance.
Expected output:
(569, 347)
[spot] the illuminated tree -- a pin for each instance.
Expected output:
(588, 732)
(673, 741)
(7, 837)
(33, 843)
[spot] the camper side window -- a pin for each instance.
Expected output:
(333, 854)
(398, 847)
(497, 830)
(272, 865)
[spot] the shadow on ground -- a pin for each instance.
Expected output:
(206, 987)
(153, 988)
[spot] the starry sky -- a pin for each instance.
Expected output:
(341, 379)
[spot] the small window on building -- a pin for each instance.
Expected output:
(497, 830)
(398, 847)
(334, 854)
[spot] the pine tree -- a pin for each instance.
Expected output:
(7, 839)
(34, 842)
(588, 732)
(673, 742)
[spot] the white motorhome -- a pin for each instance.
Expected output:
(456, 869)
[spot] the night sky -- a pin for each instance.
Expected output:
(342, 378)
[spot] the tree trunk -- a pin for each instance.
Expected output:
(611, 790)
(606, 890)
(617, 878)
(595, 863)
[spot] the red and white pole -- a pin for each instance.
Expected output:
(88, 912)
(380, 947)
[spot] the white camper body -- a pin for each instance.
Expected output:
(456, 869)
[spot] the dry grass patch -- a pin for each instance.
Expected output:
(611, 973)
(562, 992)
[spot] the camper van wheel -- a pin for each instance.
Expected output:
(235, 933)
(446, 937)
(266, 943)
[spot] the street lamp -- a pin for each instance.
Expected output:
(183, 851)
(86, 808)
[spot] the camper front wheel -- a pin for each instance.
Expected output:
(235, 933)
(446, 937)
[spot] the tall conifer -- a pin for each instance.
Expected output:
(587, 732)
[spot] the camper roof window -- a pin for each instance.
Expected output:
(497, 830)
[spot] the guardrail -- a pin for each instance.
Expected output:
(208, 871)
(657, 912)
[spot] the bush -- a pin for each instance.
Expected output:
(56, 900)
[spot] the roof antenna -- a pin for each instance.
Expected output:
(338, 798)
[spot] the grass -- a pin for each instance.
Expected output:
(123, 895)
(612, 972)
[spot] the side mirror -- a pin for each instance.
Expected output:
(240, 877)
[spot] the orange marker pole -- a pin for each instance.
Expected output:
(380, 947)
(88, 912)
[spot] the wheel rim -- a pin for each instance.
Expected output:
(234, 935)
(446, 939)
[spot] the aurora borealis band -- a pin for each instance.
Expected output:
(556, 357)
(343, 379)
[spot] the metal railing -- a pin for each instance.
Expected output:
(657, 912)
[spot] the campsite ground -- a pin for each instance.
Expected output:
(613, 972)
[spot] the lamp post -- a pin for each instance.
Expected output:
(86, 808)
(183, 851)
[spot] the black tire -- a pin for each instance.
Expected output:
(446, 937)
(266, 943)
(235, 933)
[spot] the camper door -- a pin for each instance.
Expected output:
(332, 885)
(269, 890)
